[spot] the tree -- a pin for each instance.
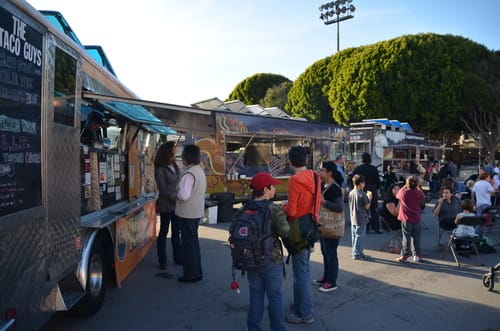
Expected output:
(253, 89)
(307, 97)
(276, 96)
(481, 115)
(414, 78)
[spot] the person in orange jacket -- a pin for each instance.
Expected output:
(304, 198)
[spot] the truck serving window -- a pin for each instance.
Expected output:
(64, 88)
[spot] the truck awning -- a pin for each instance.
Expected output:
(133, 111)
(146, 103)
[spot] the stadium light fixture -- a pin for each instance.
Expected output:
(339, 10)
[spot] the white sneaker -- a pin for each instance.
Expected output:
(417, 258)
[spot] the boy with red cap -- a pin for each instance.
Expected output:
(268, 279)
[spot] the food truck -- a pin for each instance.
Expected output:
(236, 145)
(391, 142)
(77, 193)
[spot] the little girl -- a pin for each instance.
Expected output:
(465, 230)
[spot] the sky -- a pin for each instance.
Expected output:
(185, 51)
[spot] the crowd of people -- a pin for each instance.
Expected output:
(181, 206)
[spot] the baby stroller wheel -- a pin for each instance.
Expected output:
(488, 282)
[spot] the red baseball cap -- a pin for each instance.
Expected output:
(262, 180)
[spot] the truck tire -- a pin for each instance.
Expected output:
(97, 277)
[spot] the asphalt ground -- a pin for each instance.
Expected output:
(379, 294)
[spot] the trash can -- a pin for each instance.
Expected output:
(225, 203)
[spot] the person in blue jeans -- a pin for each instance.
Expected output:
(304, 198)
(189, 210)
(359, 205)
(267, 281)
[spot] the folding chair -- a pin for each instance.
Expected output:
(394, 243)
(441, 231)
(472, 243)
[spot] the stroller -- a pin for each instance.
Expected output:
(489, 278)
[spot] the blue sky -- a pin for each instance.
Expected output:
(185, 51)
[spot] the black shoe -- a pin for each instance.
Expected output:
(163, 266)
(377, 232)
(189, 280)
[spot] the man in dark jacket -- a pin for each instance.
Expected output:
(372, 183)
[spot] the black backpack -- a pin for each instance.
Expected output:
(251, 241)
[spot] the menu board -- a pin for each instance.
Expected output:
(21, 60)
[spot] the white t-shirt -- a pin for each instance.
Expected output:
(496, 180)
(483, 190)
(462, 230)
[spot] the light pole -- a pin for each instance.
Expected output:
(479, 152)
(335, 12)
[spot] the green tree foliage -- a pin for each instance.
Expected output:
(253, 89)
(308, 95)
(481, 115)
(413, 78)
(276, 96)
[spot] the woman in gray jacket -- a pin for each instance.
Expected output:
(167, 176)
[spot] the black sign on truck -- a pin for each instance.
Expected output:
(20, 104)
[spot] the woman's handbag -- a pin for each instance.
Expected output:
(331, 224)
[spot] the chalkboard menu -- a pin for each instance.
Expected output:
(21, 60)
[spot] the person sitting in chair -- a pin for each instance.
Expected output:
(446, 209)
(390, 209)
(464, 230)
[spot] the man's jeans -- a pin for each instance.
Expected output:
(267, 281)
(410, 230)
(357, 233)
(330, 260)
(191, 259)
(302, 301)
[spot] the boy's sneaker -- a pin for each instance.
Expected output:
(417, 258)
(319, 282)
(327, 287)
(402, 258)
(361, 257)
(294, 319)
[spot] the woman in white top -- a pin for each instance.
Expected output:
(482, 191)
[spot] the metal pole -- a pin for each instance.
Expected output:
(338, 34)
(479, 153)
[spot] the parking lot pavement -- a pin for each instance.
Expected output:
(380, 294)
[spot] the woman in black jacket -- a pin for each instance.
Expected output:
(390, 208)
(333, 200)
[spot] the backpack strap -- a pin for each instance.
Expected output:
(315, 195)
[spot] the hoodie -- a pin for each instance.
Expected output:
(301, 190)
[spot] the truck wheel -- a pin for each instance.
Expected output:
(97, 276)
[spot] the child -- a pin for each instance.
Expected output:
(359, 205)
(268, 279)
(464, 230)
